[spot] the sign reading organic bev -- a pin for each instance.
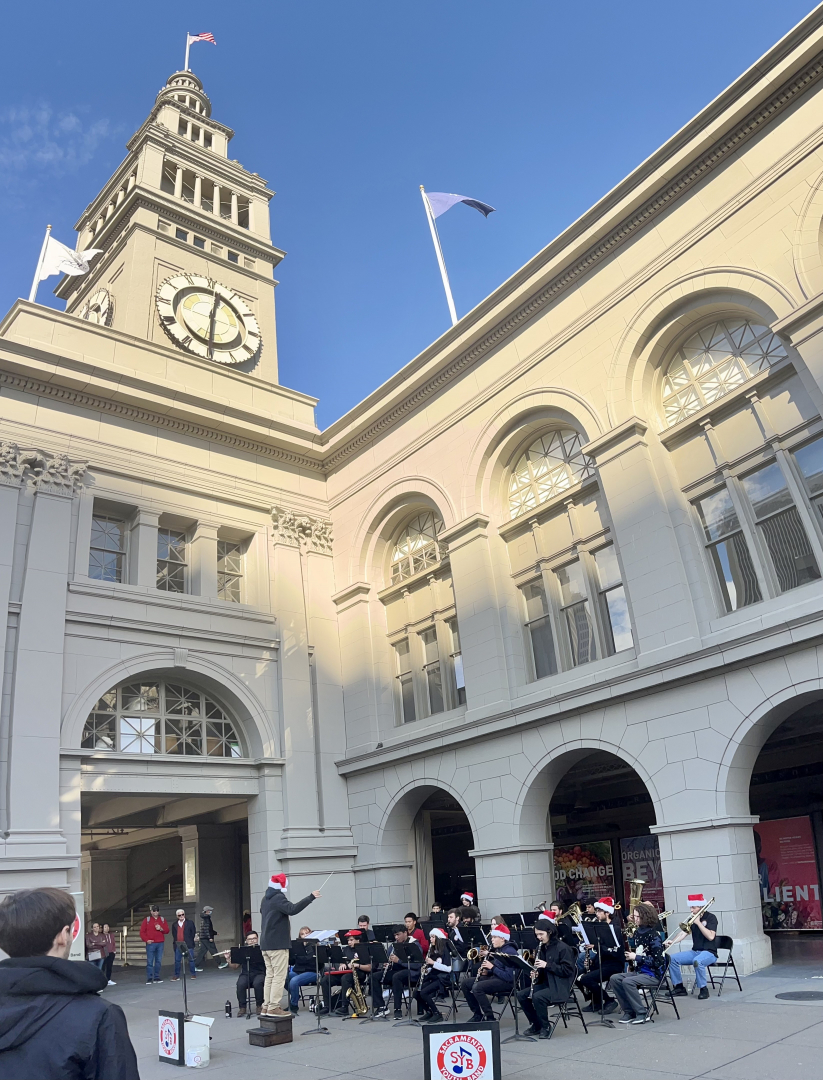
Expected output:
(583, 872)
(640, 857)
(787, 869)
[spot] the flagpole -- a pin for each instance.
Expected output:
(36, 282)
(188, 46)
(439, 253)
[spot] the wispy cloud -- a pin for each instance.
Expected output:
(41, 139)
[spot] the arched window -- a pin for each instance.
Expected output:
(713, 362)
(155, 717)
(417, 547)
(552, 464)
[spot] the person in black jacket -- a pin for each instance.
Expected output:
(53, 1023)
(183, 933)
(605, 961)
(493, 976)
(252, 976)
(206, 940)
(555, 969)
(275, 938)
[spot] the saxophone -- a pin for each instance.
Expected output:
(356, 996)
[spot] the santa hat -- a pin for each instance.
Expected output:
(696, 899)
(605, 903)
(436, 932)
(501, 930)
(469, 896)
(279, 881)
(548, 920)
(547, 913)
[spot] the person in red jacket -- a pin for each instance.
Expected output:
(153, 930)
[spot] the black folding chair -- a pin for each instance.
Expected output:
(663, 992)
(568, 1009)
(727, 943)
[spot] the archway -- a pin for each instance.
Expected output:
(786, 793)
(443, 837)
(600, 818)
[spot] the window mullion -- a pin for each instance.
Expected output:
(560, 634)
(446, 668)
(595, 607)
(753, 536)
(801, 502)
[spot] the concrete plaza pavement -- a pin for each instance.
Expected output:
(751, 1035)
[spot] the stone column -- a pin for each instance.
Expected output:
(718, 858)
(178, 182)
(204, 559)
(234, 217)
(515, 878)
(804, 329)
(663, 616)
(34, 840)
(198, 191)
(361, 667)
(10, 483)
(216, 203)
(478, 613)
(143, 548)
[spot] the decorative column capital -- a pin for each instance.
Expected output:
(54, 474)
(302, 530)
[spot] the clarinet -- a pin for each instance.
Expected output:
(535, 970)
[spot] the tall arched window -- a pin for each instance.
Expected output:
(417, 547)
(551, 465)
(713, 362)
(156, 717)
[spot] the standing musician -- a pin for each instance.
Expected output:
(703, 951)
(611, 957)
(494, 977)
(344, 977)
(437, 965)
(650, 962)
(554, 967)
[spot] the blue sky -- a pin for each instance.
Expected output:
(346, 108)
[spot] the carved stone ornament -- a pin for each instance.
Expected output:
(54, 474)
(302, 530)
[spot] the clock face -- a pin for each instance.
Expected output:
(99, 308)
(207, 319)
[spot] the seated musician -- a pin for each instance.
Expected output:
(415, 931)
(436, 913)
(255, 978)
(343, 977)
(398, 974)
(436, 978)
(364, 926)
(610, 960)
(453, 931)
(650, 962)
(589, 912)
(493, 977)
(302, 971)
(703, 951)
(555, 966)
(564, 927)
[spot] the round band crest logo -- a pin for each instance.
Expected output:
(168, 1037)
(461, 1057)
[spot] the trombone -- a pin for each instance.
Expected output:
(695, 915)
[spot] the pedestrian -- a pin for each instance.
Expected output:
(206, 937)
(247, 924)
(96, 946)
(111, 952)
(53, 1022)
(153, 930)
(183, 933)
(275, 939)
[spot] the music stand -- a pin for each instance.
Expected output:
(519, 964)
(409, 953)
(378, 956)
(242, 955)
(321, 956)
(530, 918)
(514, 920)
(384, 932)
(603, 1021)
(473, 935)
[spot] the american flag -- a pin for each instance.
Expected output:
(202, 37)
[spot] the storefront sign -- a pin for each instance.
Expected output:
(640, 858)
(787, 869)
(583, 872)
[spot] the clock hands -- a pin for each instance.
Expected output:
(212, 319)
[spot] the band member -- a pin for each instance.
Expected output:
(414, 931)
(342, 977)
(302, 970)
(436, 912)
(275, 939)
(469, 916)
(453, 931)
(555, 967)
(564, 927)
(436, 977)
(610, 960)
(589, 912)
(494, 977)
(650, 962)
(364, 926)
(703, 951)
(398, 973)
(467, 899)
(252, 976)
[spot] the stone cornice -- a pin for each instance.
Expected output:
(621, 232)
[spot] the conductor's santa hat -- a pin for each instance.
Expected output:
(279, 882)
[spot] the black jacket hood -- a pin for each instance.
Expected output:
(55, 981)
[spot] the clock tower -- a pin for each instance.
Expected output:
(187, 256)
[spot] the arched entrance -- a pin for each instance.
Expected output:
(443, 839)
(786, 793)
(600, 818)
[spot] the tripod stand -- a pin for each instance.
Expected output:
(377, 954)
(519, 964)
(318, 959)
(409, 953)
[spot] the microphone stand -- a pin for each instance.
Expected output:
(317, 1030)
(184, 956)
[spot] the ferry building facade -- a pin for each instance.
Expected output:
(557, 581)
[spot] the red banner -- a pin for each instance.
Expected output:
(640, 856)
(787, 869)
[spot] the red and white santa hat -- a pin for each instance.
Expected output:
(502, 931)
(549, 916)
(696, 899)
(469, 896)
(436, 932)
(279, 881)
(605, 903)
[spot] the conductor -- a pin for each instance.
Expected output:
(275, 939)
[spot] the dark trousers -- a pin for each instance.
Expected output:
(536, 1008)
(403, 978)
(256, 981)
(478, 991)
(431, 988)
(205, 947)
(594, 979)
(108, 964)
(326, 983)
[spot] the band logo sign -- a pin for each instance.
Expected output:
(461, 1057)
(168, 1037)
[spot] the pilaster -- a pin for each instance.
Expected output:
(143, 548)
(203, 548)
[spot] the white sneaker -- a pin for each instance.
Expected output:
(112, 983)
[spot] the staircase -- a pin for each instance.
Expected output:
(127, 926)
